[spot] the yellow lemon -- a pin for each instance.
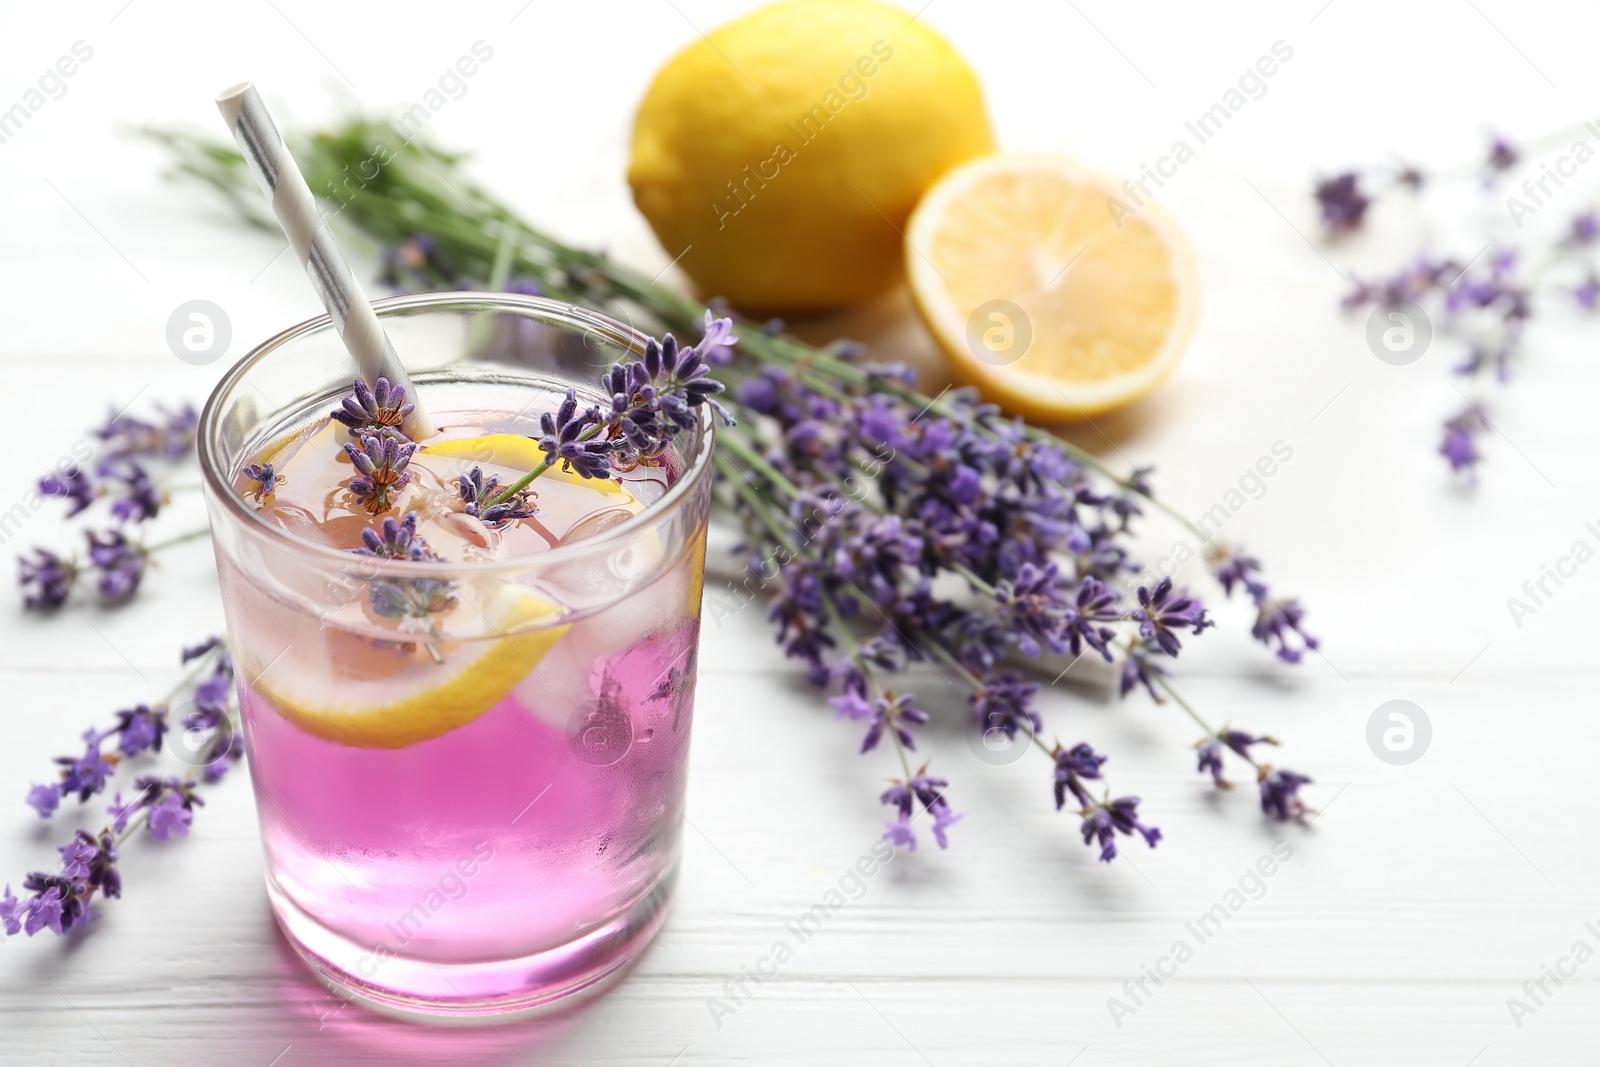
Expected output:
(519, 453)
(1047, 293)
(779, 156)
(381, 698)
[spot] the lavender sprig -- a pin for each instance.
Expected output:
(164, 806)
(117, 563)
(476, 491)
(1488, 300)
(120, 476)
(652, 400)
(413, 600)
(376, 410)
(169, 437)
(261, 481)
(381, 462)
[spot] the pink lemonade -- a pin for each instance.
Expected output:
(470, 802)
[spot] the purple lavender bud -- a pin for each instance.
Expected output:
(898, 833)
(72, 485)
(170, 816)
(261, 481)
(382, 461)
(377, 410)
(46, 580)
(1073, 765)
(1280, 795)
(1343, 204)
(1105, 821)
(44, 799)
(119, 563)
(11, 912)
(1503, 155)
(141, 728)
(139, 499)
(1163, 612)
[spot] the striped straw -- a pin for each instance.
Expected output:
(285, 187)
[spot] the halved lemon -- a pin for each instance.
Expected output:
(355, 693)
(519, 453)
(1050, 289)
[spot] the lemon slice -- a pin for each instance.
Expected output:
(519, 453)
(1050, 288)
(369, 697)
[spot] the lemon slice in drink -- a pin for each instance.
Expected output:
(372, 697)
(519, 453)
(1048, 288)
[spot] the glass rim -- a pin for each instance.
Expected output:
(554, 312)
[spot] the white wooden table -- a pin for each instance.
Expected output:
(1416, 906)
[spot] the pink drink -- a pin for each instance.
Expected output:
(474, 807)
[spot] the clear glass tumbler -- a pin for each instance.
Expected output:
(475, 808)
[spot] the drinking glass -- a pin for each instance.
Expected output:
(478, 811)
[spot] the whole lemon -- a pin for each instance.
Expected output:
(780, 156)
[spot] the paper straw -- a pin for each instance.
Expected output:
(285, 187)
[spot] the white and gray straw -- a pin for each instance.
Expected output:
(285, 188)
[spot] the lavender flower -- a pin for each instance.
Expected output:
(71, 484)
(896, 712)
(394, 540)
(261, 481)
(476, 490)
(1280, 795)
(1460, 444)
(1104, 821)
(1277, 620)
(1587, 295)
(381, 462)
(59, 901)
(1003, 703)
(651, 400)
(141, 728)
(376, 411)
(1162, 613)
(44, 799)
(1503, 155)
(137, 730)
(569, 437)
(905, 796)
(1073, 766)
(1139, 667)
(46, 580)
(119, 563)
(128, 437)
(1343, 204)
(1210, 751)
(139, 497)
(404, 598)
(1585, 228)
(170, 816)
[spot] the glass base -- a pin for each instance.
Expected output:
(446, 992)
